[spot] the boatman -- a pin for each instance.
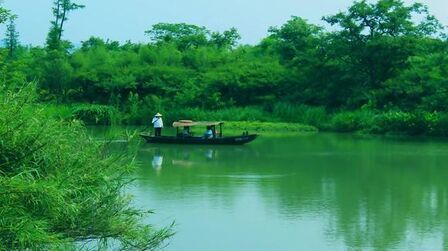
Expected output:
(158, 124)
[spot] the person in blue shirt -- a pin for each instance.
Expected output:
(186, 132)
(208, 133)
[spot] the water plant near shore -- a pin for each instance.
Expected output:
(59, 187)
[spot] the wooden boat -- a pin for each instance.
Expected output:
(216, 139)
(235, 140)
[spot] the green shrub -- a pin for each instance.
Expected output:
(58, 111)
(58, 187)
(398, 122)
(352, 121)
(92, 114)
(254, 126)
(229, 114)
(438, 123)
(316, 116)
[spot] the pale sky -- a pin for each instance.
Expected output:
(127, 20)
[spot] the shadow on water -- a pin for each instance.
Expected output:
(362, 192)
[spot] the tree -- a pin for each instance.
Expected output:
(422, 86)
(12, 37)
(375, 42)
(296, 39)
(183, 35)
(58, 71)
(301, 47)
(61, 10)
(227, 39)
(4, 13)
(364, 21)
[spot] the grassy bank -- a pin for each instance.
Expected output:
(280, 117)
(271, 127)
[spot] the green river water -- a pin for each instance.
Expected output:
(309, 192)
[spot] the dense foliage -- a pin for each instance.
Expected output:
(381, 58)
(58, 187)
(382, 69)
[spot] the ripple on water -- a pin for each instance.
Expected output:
(251, 177)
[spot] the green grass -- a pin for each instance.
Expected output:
(59, 186)
(90, 114)
(238, 127)
(229, 114)
(58, 111)
(315, 116)
(283, 118)
(255, 126)
(351, 121)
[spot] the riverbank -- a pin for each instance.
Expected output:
(282, 117)
(251, 119)
(271, 127)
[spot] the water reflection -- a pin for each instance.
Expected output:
(157, 160)
(368, 193)
(186, 156)
(209, 154)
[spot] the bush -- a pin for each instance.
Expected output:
(316, 116)
(438, 124)
(64, 112)
(229, 114)
(269, 127)
(352, 121)
(58, 187)
(398, 122)
(92, 114)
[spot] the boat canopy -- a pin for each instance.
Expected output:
(182, 123)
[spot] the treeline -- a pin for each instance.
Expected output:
(384, 63)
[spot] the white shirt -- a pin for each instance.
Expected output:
(157, 121)
(157, 161)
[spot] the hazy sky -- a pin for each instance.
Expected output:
(127, 20)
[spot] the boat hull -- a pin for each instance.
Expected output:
(236, 140)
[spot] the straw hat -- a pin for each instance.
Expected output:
(158, 115)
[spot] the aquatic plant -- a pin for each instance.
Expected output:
(59, 188)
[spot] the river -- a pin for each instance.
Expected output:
(304, 192)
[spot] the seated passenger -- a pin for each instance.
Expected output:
(208, 133)
(186, 131)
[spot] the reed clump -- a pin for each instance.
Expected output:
(59, 188)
